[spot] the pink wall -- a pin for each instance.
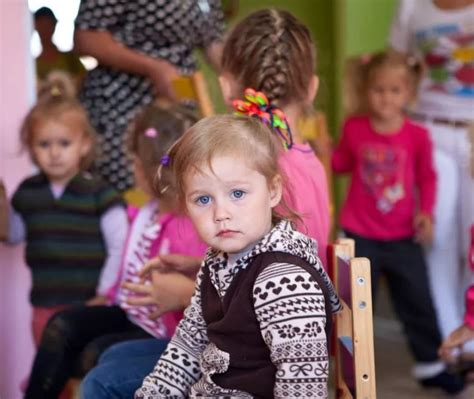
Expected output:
(16, 95)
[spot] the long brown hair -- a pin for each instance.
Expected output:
(271, 51)
(57, 101)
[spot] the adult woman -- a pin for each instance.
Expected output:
(141, 46)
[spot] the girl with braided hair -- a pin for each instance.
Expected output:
(272, 52)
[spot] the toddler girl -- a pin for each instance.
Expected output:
(73, 223)
(389, 206)
(76, 337)
(261, 294)
(272, 52)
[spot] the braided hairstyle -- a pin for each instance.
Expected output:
(271, 51)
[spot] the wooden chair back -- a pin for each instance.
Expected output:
(354, 340)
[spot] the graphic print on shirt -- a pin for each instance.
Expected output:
(381, 171)
(448, 51)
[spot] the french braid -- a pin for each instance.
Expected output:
(272, 52)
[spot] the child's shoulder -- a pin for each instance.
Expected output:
(93, 186)
(33, 181)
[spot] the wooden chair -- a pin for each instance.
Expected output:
(354, 342)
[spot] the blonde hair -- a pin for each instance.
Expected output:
(360, 72)
(226, 135)
(152, 133)
(56, 101)
(271, 51)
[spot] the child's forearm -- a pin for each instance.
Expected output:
(114, 226)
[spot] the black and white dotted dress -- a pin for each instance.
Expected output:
(168, 29)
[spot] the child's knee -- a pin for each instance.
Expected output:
(57, 330)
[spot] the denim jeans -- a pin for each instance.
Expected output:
(122, 368)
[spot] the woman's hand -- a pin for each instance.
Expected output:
(162, 73)
(168, 291)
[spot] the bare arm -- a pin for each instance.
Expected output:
(109, 52)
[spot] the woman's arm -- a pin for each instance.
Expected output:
(101, 45)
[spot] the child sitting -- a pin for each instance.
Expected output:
(259, 321)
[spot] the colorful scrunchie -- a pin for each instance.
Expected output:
(256, 104)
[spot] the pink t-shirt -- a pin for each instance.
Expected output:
(392, 178)
(306, 192)
(152, 233)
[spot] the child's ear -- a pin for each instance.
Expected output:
(275, 188)
(312, 89)
(227, 88)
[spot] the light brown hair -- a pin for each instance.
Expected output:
(153, 132)
(271, 51)
(57, 101)
(226, 135)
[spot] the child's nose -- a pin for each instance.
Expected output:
(221, 213)
(54, 151)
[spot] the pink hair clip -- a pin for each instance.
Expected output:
(151, 132)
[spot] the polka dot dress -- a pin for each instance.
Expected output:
(168, 29)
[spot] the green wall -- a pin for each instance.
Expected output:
(367, 24)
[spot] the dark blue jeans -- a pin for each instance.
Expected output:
(122, 368)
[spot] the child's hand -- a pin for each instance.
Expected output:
(188, 265)
(454, 341)
(423, 226)
(97, 301)
(168, 291)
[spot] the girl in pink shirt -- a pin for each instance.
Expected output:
(389, 206)
(272, 52)
(77, 336)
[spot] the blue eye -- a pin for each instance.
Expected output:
(237, 194)
(203, 200)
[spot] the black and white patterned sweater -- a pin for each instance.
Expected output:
(289, 307)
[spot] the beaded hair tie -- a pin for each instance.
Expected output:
(256, 104)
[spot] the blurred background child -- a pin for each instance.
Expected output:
(389, 206)
(76, 337)
(73, 223)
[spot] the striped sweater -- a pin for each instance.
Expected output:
(65, 248)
